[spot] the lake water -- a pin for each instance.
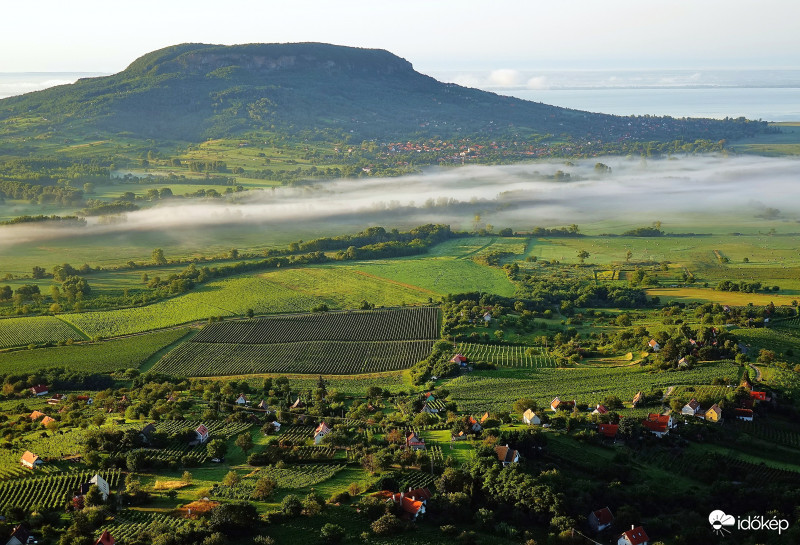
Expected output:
(771, 95)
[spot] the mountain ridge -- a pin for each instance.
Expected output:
(191, 92)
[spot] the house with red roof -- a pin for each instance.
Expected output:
(601, 519)
(30, 460)
(322, 430)
(459, 359)
(414, 441)
(761, 396)
(608, 430)
(558, 405)
(412, 502)
(40, 390)
(45, 420)
(744, 414)
(474, 425)
(654, 346)
(658, 424)
(202, 433)
(634, 536)
(600, 409)
(105, 539)
(507, 455)
(55, 399)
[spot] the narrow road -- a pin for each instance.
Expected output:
(757, 370)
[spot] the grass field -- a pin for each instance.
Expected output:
(101, 357)
(733, 298)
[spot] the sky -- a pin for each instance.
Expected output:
(435, 36)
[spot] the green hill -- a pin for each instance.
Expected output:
(192, 92)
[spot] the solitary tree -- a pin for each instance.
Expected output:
(158, 257)
(244, 442)
(582, 255)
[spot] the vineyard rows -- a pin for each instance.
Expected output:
(412, 479)
(91, 357)
(317, 357)
(48, 492)
(485, 391)
(131, 524)
(699, 466)
(35, 330)
(769, 433)
(405, 324)
(509, 356)
(292, 477)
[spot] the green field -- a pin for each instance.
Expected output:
(34, 330)
(99, 357)
(497, 390)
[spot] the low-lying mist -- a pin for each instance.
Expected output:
(634, 192)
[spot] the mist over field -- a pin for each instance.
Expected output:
(519, 196)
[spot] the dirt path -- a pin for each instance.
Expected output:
(757, 370)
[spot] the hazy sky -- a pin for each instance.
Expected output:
(435, 35)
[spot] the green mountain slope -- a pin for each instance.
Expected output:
(191, 92)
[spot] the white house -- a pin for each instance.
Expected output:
(102, 485)
(634, 536)
(530, 417)
(692, 408)
(322, 430)
(241, 400)
(654, 346)
(202, 433)
(19, 536)
(30, 460)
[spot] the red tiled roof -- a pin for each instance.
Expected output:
(29, 457)
(609, 430)
(744, 412)
(636, 536)
(654, 426)
(39, 389)
(105, 539)
(603, 516)
(202, 429)
(602, 409)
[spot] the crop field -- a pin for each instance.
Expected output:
(298, 476)
(497, 390)
(688, 295)
(35, 330)
(336, 343)
(220, 298)
(48, 492)
(780, 340)
(341, 286)
(130, 524)
(98, 357)
(317, 357)
(386, 325)
(465, 248)
(438, 276)
(505, 355)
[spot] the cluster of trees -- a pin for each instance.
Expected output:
(745, 287)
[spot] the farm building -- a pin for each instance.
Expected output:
(558, 405)
(322, 430)
(744, 414)
(658, 424)
(412, 503)
(601, 519)
(202, 433)
(608, 430)
(487, 317)
(507, 455)
(530, 417)
(692, 408)
(459, 359)
(241, 400)
(30, 460)
(45, 420)
(654, 346)
(414, 442)
(40, 390)
(264, 406)
(634, 536)
(147, 431)
(105, 539)
(714, 414)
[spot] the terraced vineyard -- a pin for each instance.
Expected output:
(509, 356)
(35, 330)
(337, 343)
(48, 492)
